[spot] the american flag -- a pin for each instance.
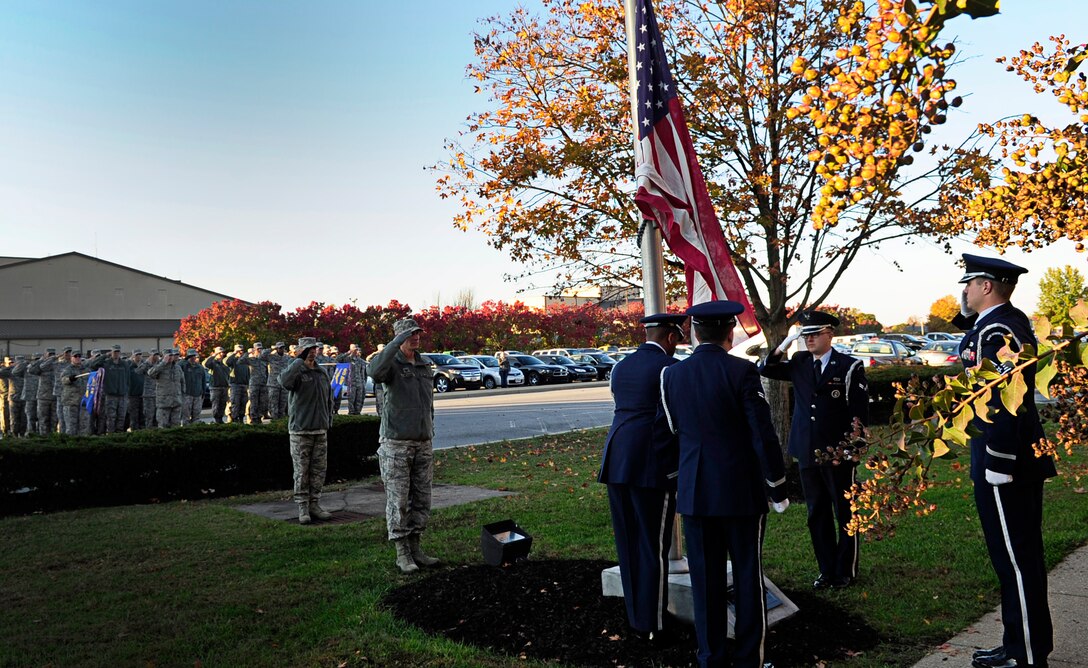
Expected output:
(671, 188)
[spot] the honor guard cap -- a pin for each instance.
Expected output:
(675, 320)
(814, 322)
(715, 312)
(977, 266)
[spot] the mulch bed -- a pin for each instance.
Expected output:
(554, 611)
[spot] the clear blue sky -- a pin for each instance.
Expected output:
(276, 150)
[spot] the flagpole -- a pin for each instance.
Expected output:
(653, 266)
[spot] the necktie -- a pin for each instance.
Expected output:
(817, 368)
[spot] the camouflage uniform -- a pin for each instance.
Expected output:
(30, 398)
(308, 420)
(379, 389)
(77, 422)
(169, 381)
(151, 410)
(192, 397)
(59, 366)
(220, 383)
(136, 384)
(277, 396)
(45, 370)
(357, 394)
(114, 388)
(406, 454)
(239, 383)
(6, 425)
(257, 361)
(17, 401)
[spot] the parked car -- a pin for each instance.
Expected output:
(602, 362)
(908, 340)
(576, 370)
(450, 373)
(618, 356)
(841, 347)
(876, 352)
(936, 353)
(537, 371)
(566, 352)
(455, 353)
(942, 336)
(489, 368)
(683, 351)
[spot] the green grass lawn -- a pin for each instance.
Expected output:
(186, 584)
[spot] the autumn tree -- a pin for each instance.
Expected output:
(1059, 292)
(941, 313)
(229, 322)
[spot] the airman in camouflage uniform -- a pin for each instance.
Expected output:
(220, 382)
(136, 383)
(77, 422)
(357, 390)
(406, 453)
(257, 361)
(114, 387)
(19, 399)
(277, 396)
(30, 397)
(169, 384)
(59, 365)
(151, 410)
(379, 390)
(239, 382)
(6, 422)
(43, 370)
(192, 397)
(308, 420)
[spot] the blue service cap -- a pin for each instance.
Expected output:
(814, 322)
(664, 320)
(715, 312)
(993, 268)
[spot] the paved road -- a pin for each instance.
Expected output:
(473, 417)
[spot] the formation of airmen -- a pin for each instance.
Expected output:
(45, 393)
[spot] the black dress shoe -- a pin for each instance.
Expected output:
(993, 651)
(1003, 660)
(841, 582)
(822, 582)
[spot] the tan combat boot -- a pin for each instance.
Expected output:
(319, 513)
(303, 513)
(404, 556)
(417, 552)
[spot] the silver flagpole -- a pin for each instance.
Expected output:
(653, 269)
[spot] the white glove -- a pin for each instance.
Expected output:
(995, 478)
(788, 342)
(780, 507)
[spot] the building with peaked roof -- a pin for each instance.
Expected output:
(85, 302)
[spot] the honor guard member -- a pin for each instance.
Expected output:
(730, 463)
(829, 394)
(1007, 475)
(239, 382)
(639, 465)
(219, 384)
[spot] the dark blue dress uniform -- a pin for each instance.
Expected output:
(730, 461)
(639, 466)
(1011, 514)
(824, 409)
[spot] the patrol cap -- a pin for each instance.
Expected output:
(993, 268)
(67, 349)
(218, 349)
(406, 325)
(50, 351)
(76, 353)
(304, 344)
(20, 358)
(238, 347)
(717, 312)
(353, 346)
(279, 344)
(117, 347)
(258, 345)
(191, 352)
(155, 352)
(137, 351)
(814, 322)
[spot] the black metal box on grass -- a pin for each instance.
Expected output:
(504, 542)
